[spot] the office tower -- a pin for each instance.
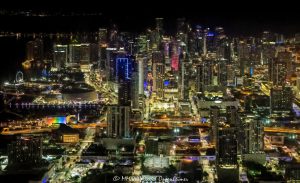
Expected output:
(278, 72)
(226, 155)
(25, 152)
(287, 58)
(113, 39)
(243, 51)
(158, 72)
(210, 44)
(232, 116)
(141, 73)
(297, 38)
(204, 75)
(268, 53)
(199, 36)
(214, 120)
(103, 44)
(79, 54)
(281, 99)
(184, 79)
(123, 67)
(181, 26)
(226, 147)
(222, 72)
(102, 36)
(253, 136)
(35, 50)
(159, 25)
(141, 44)
(123, 76)
(230, 73)
(118, 121)
(60, 55)
(94, 51)
(158, 79)
(110, 63)
(268, 37)
(135, 89)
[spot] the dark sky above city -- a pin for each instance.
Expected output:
(241, 18)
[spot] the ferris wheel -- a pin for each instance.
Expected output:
(19, 77)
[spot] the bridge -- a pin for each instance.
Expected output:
(29, 106)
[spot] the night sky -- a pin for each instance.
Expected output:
(241, 18)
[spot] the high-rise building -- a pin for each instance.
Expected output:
(35, 50)
(142, 65)
(102, 36)
(278, 72)
(25, 152)
(123, 76)
(184, 80)
(79, 54)
(253, 136)
(159, 25)
(232, 116)
(158, 78)
(118, 121)
(60, 55)
(281, 99)
(226, 147)
(222, 72)
(287, 58)
(204, 75)
(214, 121)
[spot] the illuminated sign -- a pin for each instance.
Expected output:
(166, 83)
(54, 120)
(111, 49)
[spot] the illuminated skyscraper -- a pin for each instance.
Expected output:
(79, 54)
(214, 120)
(159, 25)
(226, 147)
(281, 99)
(60, 55)
(278, 72)
(118, 121)
(123, 76)
(103, 44)
(158, 78)
(184, 79)
(35, 50)
(25, 152)
(158, 72)
(204, 75)
(253, 136)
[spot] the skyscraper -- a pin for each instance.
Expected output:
(118, 121)
(253, 136)
(204, 75)
(281, 99)
(159, 25)
(25, 152)
(35, 50)
(79, 54)
(226, 147)
(278, 72)
(60, 55)
(214, 121)
(184, 80)
(123, 76)
(158, 78)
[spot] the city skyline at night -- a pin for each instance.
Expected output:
(156, 93)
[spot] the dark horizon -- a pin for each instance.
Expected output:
(236, 22)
